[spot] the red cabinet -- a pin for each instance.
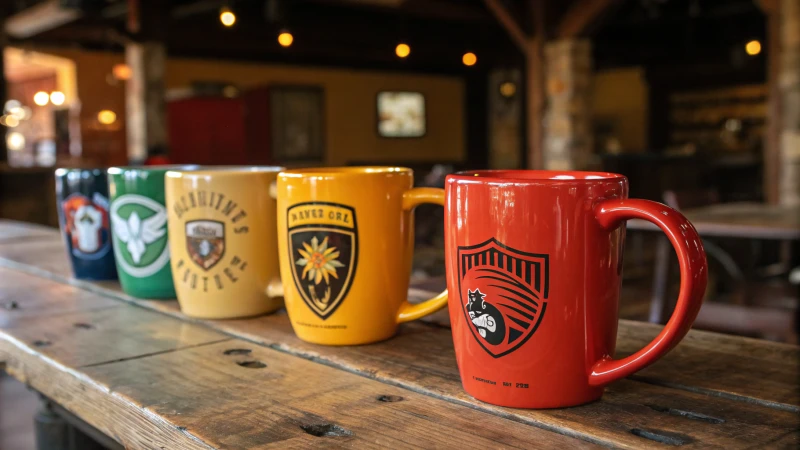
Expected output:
(219, 130)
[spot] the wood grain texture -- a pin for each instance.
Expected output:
(755, 370)
(23, 295)
(47, 254)
(713, 390)
(14, 231)
(99, 336)
(662, 412)
(232, 394)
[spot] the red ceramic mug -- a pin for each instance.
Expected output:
(534, 267)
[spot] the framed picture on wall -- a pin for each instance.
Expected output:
(401, 114)
(296, 120)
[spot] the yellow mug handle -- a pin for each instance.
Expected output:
(408, 311)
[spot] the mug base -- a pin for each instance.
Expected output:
(96, 278)
(535, 403)
(220, 313)
(342, 342)
(151, 295)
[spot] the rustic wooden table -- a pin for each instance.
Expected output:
(148, 377)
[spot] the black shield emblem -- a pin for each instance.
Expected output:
(323, 253)
(503, 294)
(205, 242)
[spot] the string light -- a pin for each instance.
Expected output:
(9, 121)
(508, 89)
(15, 141)
(121, 72)
(402, 50)
(41, 98)
(285, 39)
(106, 117)
(753, 47)
(469, 59)
(227, 17)
(57, 98)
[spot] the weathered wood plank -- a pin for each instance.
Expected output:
(14, 231)
(23, 295)
(663, 413)
(741, 377)
(235, 394)
(94, 337)
(676, 410)
(46, 255)
(755, 370)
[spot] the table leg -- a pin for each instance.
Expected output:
(50, 429)
(58, 429)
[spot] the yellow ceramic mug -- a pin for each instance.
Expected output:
(345, 242)
(222, 241)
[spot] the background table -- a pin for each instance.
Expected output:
(726, 220)
(148, 377)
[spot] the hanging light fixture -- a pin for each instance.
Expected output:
(402, 50)
(57, 98)
(121, 71)
(469, 59)
(41, 98)
(226, 16)
(285, 38)
(106, 117)
(753, 47)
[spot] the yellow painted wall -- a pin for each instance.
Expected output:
(350, 111)
(622, 96)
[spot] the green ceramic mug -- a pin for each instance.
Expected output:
(139, 230)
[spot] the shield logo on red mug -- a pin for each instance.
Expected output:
(205, 242)
(503, 294)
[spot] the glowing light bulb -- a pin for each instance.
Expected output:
(402, 50)
(106, 117)
(41, 98)
(15, 141)
(469, 59)
(508, 89)
(57, 98)
(121, 71)
(285, 39)
(753, 47)
(227, 17)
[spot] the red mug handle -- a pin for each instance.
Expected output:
(694, 276)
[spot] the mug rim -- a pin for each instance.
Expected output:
(344, 171)
(117, 170)
(97, 171)
(205, 171)
(536, 176)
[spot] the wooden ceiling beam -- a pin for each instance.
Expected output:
(581, 16)
(512, 27)
(767, 6)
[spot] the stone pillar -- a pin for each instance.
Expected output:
(145, 108)
(568, 120)
(789, 88)
(146, 55)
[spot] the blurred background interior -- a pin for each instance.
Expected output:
(697, 102)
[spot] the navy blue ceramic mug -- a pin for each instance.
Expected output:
(82, 203)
